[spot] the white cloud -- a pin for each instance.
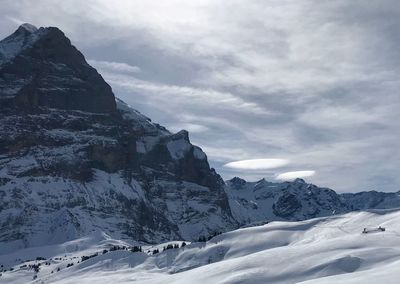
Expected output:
(185, 95)
(15, 20)
(114, 66)
(294, 175)
(257, 164)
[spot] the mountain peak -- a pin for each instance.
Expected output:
(41, 68)
(299, 180)
(28, 27)
(236, 183)
(24, 37)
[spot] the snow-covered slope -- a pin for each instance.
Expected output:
(324, 250)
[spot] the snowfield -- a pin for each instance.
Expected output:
(323, 250)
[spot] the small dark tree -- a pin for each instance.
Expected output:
(155, 251)
(86, 257)
(183, 244)
(136, 249)
(35, 267)
(202, 239)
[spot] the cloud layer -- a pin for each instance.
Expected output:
(295, 174)
(257, 164)
(313, 81)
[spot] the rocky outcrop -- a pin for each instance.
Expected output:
(286, 205)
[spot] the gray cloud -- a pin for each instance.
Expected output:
(314, 82)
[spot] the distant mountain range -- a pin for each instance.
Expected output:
(74, 159)
(265, 201)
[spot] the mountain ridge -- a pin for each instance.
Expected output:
(298, 200)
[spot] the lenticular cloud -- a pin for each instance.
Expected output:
(294, 175)
(257, 164)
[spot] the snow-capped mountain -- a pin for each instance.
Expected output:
(74, 159)
(264, 201)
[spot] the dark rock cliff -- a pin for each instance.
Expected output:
(49, 71)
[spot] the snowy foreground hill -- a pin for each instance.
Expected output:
(322, 250)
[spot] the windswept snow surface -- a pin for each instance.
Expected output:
(323, 250)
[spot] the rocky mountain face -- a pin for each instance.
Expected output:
(74, 159)
(297, 200)
(372, 199)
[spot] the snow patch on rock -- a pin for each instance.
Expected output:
(178, 148)
(24, 37)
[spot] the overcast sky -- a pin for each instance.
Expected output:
(313, 85)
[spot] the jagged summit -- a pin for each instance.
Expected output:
(299, 180)
(40, 67)
(15, 43)
(297, 200)
(236, 182)
(28, 27)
